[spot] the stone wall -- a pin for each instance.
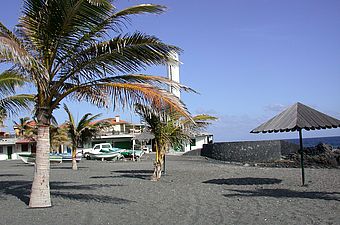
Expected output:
(248, 151)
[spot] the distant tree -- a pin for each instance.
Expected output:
(24, 127)
(58, 137)
(81, 131)
(171, 130)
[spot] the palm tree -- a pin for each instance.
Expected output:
(62, 46)
(10, 103)
(58, 137)
(81, 132)
(23, 127)
(171, 130)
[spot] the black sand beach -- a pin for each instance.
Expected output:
(194, 191)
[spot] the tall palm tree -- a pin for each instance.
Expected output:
(62, 46)
(81, 131)
(11, 103)
(171, 130)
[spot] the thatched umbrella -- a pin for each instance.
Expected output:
(296, 118)
(144, 136)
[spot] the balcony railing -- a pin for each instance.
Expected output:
(109, 133)
(6, 136)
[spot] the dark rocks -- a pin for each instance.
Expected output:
(320, 156)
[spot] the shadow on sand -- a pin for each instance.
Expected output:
(244, 181)
(11, 175)
(66, 186)
(139, 174)
(133, 171)
(67, 167)
(91, 197)
(21, 189)
(22, 165)
(285, 193)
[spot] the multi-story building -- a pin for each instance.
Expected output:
(119, 134)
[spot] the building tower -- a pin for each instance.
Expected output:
(173, 73)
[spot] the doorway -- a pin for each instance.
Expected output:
(9, 152)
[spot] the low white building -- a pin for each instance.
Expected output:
(198, 141)
(7, 148)
(11, 146)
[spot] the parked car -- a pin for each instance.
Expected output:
(91, 153)
(96, 148)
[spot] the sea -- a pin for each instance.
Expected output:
(311, 142)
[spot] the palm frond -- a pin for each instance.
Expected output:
(10, 79)
(141, 9)
(56, 25)
(99, 2)
(114, 22)
(83, 130)
(14, 104)
(123, 54)
(135, 93)
(202, 121)
(13, 50)
(89, 93)
(23, 121)
(85, 121)
(71, 124)
(142, 78)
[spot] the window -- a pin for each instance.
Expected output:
(24, 147)
(106, 146)
(1, 150)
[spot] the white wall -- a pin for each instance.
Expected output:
(4, 154)
(200, 141)
(16, 149)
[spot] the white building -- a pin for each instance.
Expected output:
(7, 148)
(119, 134)
(198, 141)
(10, 146)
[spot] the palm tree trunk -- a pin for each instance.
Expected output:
(40, 193)
(74, 159)
(158, 164)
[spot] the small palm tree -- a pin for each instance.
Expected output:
(81, 131)
(171, 130)
(10, 103)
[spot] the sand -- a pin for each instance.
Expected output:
(193, 191)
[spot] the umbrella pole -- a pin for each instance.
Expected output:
(301, 152)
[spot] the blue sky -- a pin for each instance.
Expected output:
(248, 59)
